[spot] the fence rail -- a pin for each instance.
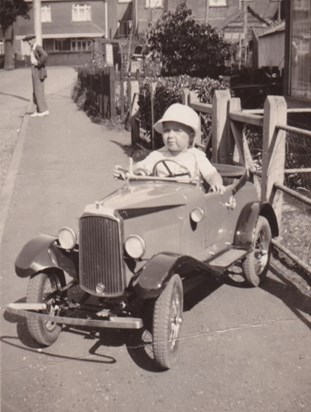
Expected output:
(230, 144)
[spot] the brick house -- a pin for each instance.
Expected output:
(68, 29)
(70, 26)
(298, 50)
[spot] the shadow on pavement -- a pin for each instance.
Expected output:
(289, 292)
(138, 343)
(16, 96)
(9, 340)
(136, 152)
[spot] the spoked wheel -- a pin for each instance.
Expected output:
(167, 321)
(44, 288)
(256, 263)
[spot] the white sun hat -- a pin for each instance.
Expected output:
(183, 114)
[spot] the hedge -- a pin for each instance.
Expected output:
(168, 90)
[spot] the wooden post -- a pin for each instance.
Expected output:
(135, 129)
(273, 156)
(129, 95)
(152, 115)
(185, 96)
(112, 94)
(101, 91)
(122, 77)
(106, 92)
(220, 126)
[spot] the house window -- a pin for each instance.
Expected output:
(62, 45)
(303, 5)
(81, 12)
(80, 44)
(153, 4)
(300, 72)
(217, 3)
(46, 16)
(124, 27)
(232, 37)
(125, 1)
(241, 3)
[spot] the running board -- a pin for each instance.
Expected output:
(227, 258)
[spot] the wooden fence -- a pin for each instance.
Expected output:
(230, 145)
(101, 83)
(111, 90)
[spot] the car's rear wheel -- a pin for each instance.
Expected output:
(256, 263)
(167, 321)
(44, 288)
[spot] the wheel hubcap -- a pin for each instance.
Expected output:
(49, 289)
(261, 253)
(175, 321)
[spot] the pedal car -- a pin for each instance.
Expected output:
(137, 246)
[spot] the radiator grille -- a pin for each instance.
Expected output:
(100, 255)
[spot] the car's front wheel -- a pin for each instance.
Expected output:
(44, 288)
(256, 263)
(167, 321)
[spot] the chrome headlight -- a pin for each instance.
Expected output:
(135, 246)
(197, 214)
(67, 238)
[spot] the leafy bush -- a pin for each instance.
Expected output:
(168, 90)
(180, 45)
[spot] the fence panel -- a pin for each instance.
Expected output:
(294, 239)
(279, 159)
(100, 83)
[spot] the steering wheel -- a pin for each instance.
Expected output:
(184, 170)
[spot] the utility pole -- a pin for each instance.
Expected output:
(106, 19)
(37, 20)
(206, 11)
(245, 32)
(150, 12)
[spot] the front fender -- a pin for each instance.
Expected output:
(247, 223)
(155, 274)
(42, 253)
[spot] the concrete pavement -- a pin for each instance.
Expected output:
(242, 349)
(64, 149)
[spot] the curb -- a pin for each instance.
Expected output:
(9, 182)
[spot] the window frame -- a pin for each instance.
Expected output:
(46, 13)
(301, 5)
(81, 12)
(215, 3)
(83, 42)
(154, 4)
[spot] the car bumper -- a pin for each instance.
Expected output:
(117, 322)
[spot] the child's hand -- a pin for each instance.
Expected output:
(119, 172)
(218, 188)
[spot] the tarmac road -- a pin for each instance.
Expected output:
(241, 349)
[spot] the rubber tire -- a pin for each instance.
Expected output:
(164, 350)
(253, 276)
(38, 328)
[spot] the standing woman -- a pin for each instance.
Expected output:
(38, 58)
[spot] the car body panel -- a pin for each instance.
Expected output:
(41, 253)
(159, 212)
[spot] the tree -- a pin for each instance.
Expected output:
(9, 11)
(184, 46)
